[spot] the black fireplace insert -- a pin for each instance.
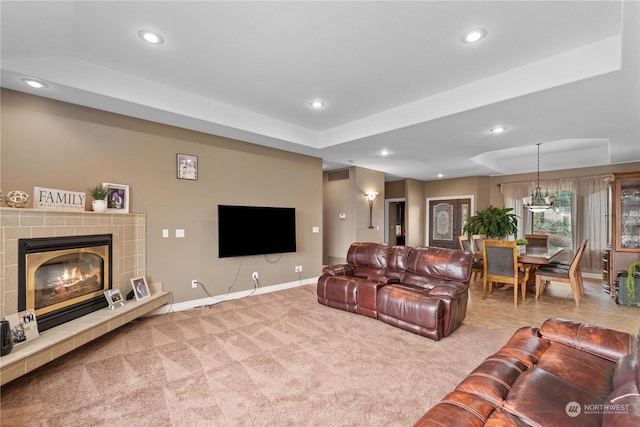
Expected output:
(63, 278)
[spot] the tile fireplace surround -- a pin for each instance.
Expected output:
(129, 243)
(128, 261)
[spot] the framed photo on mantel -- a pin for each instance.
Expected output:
(117, 197)
(140, 288)
(114, 298)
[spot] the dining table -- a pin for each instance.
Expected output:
(539, 255)
(532, 258)
(535, 256)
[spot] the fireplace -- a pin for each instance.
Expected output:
(63, 278)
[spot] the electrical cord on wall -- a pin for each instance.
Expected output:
(273, 262)
(256, 284)
(221, 297)
(304, 286)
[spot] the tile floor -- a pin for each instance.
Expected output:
(498, 312)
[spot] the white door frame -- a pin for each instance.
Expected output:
(386, 215)
(431, 199)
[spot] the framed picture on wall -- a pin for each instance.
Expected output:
(187, 166)
(140, 288)
(117, 197)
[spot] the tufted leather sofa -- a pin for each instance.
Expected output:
(563, 374)
(421, 290)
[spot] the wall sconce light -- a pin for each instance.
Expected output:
(371, 197)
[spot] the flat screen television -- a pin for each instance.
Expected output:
(255, 230)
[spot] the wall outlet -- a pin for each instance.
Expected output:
(194, 283)
(254, 276)
(298, 269)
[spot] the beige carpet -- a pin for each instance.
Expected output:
(278, 359)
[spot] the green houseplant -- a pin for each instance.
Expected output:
(99, 193)
(630, 284)
(493, 222)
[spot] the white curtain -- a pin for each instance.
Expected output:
(590, 222)
(588, 210)
(512, 194)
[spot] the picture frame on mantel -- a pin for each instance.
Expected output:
(117, 197)
(140, 288)
(187, 166)
(114, 298)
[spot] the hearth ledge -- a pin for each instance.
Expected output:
(62, 339)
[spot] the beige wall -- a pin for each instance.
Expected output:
(368, 180)
(339, 232)
(394, 189)
(414, 213)
(52, 144)
(346, 197)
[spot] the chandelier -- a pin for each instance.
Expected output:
(536, 202)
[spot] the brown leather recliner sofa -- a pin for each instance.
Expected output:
(422, 290)
(563, 374)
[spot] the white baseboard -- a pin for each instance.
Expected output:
(202, 302)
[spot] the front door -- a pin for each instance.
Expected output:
(446, 220)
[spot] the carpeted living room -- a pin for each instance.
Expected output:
(280, 358)
(209, 172)
(274, 359)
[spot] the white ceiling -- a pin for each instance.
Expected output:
(394, 75)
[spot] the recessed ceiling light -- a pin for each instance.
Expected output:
(316, 104)
(474, 36)
(440, 175)
(150, 36)
(498, 129)
(384, 152)
(36, 84)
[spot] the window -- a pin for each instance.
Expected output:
(579, 213)
(556, 222)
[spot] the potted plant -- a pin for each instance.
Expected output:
(630, 283)
(99, 194)
(522, 245)
(493, 222)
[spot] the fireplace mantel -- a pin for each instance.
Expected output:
(62, 339)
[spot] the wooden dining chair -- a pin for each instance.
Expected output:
(500, 258)
(478, 266)
(537, 239)
(571, 275)
(567, 263)
(477, 243)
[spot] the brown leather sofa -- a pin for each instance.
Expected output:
(563, 374)
(421, 290)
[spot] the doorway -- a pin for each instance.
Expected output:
(445, 220)
(395, 230)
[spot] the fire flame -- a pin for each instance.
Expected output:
(70, 277)
(74, 274)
